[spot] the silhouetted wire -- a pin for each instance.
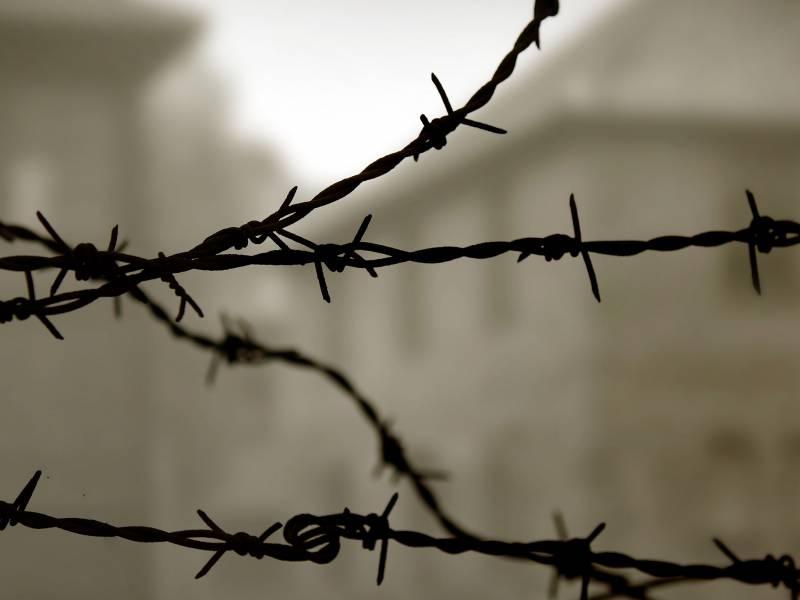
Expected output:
(317, 539)
(761, 236)
(432, 135)
(241, 347)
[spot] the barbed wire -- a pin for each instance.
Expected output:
(85, 257)
(318, 539)
(761, 235)
(241, 347)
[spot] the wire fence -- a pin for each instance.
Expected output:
(317, 539)
(87, 262)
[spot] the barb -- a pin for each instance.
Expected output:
(435, 132)
(138, 270)
(22, 308)
(761, 235)
(241, 347)
(167, 277)
(318, 539)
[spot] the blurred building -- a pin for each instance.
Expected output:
(667, 410)
(93, 133)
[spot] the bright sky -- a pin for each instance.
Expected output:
(332, 85)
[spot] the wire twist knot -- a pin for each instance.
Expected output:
(246, 544)
(783, 571)
(167, 277)
(435, 132)
(306, 532)
(765, 233)
(555, 246)
(377, 530)
(90, 263)
(573, 557)
(247, 233)
(334, 256)
(16, 308)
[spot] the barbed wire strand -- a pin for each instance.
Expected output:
(761, 236)
(242, 348)
(318, 539)
(432, 136)
(89, 263)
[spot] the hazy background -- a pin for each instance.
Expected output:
(667, 411)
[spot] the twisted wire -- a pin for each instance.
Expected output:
(761, 236)
(318, 539)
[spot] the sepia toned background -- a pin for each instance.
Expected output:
(667, 411)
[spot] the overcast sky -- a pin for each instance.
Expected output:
(332, 85)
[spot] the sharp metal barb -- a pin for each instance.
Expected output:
(211, 562)
(560, 525)
(211, 372)
(552, 588)
(56, 238)
(297, 238)
(484, 126)
(595, 532)
(442, 94)
(323, 286)
(751, 244)
(269, 531)
(726, 551)
(29, 284)
(181, 310)
(585, 587)
(278, 241)
(289, 197)
(587, 260)
(41, 317)
(112, 242)
(50, 327)
(21, 502)
(209, 521)
(751, 251)
(58, 281)
(362, 229)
